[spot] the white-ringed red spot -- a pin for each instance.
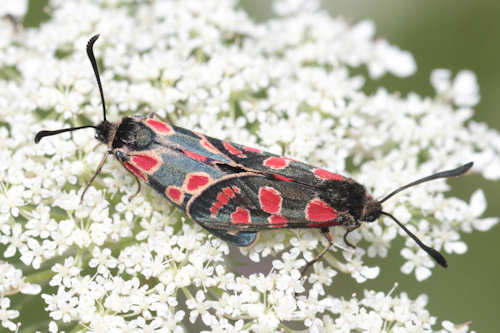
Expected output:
(270, 200)
(207, 145)
(240, 216)
(196, 181)
(325, 174)
(233, 150)
(144, 162)
(160, 126)
(175, 194)
(276, 162)
(319, 211)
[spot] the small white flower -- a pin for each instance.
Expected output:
(290, 262)
(464, 90)
(355, 266)
(199, 306)
(103, 260)
(15, 239)
(11, 199)
(321, 276)
(379, 240)
(419, 261)
(305, 244)
(6, 315)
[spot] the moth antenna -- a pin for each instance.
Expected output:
(43, 134)
(90, 52)
(443, 174)
(93, 62)
(438, 257)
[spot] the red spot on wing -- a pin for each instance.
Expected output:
(277, 220)
(253, 150)
(270, 200)
(325, 174)
(194, 156)
(134, 170)
(319, 211)
(196, 182)
(175, 194)
(223, 197)
(229, 192)
(240, 216)
(233, 150)
(276, 162)
(160, 126)
(236, 189)
(209, 146)
(222, 200)
(280, 177)
(144, 162)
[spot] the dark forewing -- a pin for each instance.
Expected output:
(254, 202)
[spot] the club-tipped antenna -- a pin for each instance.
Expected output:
(438, 257)
(90, 53)
(443, 174)
(43, 134)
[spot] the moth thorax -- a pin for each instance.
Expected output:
(345, 195)
(133, 134)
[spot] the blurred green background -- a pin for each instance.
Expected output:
(453, 34)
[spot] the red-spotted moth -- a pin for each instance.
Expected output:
(235, 191)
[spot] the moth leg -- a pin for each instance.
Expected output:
(138, 189)
(329, 237)
(97, 171)
(138, 185)
(350, 228)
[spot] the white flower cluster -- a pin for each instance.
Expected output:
(284, 85)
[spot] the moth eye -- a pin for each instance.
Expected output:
(371, 218)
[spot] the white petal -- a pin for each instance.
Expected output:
(422, 273)
(441, 79)
(407, 267)
(485, 224)
(455, 247)
(478, 202)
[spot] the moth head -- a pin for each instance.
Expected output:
(371, 209)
